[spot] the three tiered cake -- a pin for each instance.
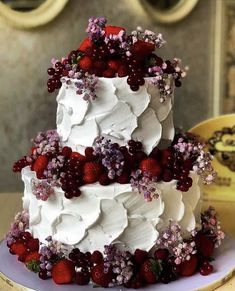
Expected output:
(112, 196)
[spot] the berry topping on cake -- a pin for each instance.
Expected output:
(100, 277)
(188, 267)
(150, 271)
(63, 272)
(92, 172)
(109, 51)
(151, 167)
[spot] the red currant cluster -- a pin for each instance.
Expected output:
(20, 164)
(84, 261)
(55, 75)
(71, 177)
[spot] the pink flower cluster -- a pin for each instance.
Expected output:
(190, 147)
(145, 185)
(148, 36)
(172, 239)
(20, 224)
(47, 142)
(121, 264)
(41, 189)
(211, 226)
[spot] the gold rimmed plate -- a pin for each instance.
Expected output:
(219, 135)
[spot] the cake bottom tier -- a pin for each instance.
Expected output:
(112, 214)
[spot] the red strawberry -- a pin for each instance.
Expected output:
(85, 63)
(40, 165)
(79, 156)
(188, 268)
(114, 65)
(85, 45)
(92, 172)
(99, 277)
(33, 244)
(110, 29)
(122, 71)
(204, 245)
(140, 256)
(143, 48)
(109, 73)
(150, 271)
(151, 166)
(33, 256)
(18, 248)
(63, 272)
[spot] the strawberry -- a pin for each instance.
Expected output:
(122, 71)
(79, 156)
(109, 73)
(140, 256)
(110, 29)
(40, 165)
(99, 277)
(205, 245)
(18, 248)
(188, 268)
(150, 270)
(151, 166)
(114, 65)
(143, 48)
(85, 45)
(33, 244)
(33, 256)
(63, 272)
(92, 172)
(85, 63)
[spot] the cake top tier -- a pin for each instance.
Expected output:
(109, 51)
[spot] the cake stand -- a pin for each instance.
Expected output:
(15, 276)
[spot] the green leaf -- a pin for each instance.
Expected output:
(156, 267)
(33, 266)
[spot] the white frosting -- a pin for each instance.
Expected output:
(118, 113)
(110, 214)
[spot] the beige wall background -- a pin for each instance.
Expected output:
(25, 105)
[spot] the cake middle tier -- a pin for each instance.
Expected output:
(118, 113)
(113, 214)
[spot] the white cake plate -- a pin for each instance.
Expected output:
(12, 271)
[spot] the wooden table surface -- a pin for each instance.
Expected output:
(11, 203)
